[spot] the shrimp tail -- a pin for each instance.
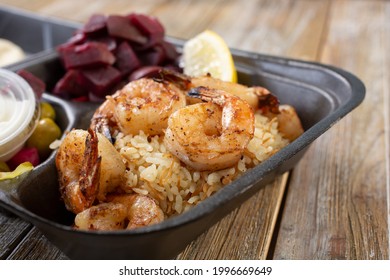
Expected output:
(208, 95)
(267, 102)
(103, 120)
(80, 194)
(90, 171)
(102, 125)
(195, 92)
(180, 80)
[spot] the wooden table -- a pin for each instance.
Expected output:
(335, 203)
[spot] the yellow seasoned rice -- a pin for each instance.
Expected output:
(153, 171)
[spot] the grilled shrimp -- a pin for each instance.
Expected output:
(121, 212)
(142, 210)
(259, 98)
(104, 216)
(143, 104)
(88, 168)
(212, 135)
(289, 123)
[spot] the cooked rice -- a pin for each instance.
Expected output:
(154, 171)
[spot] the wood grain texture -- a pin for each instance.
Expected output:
(386, 109)
(12, 231)
(245, 233)
(337, 199)
(35, 246)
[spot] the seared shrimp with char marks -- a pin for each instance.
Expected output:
(259, 98)
(121, 212)
(143, 104)
(88, 168)
(211, 135)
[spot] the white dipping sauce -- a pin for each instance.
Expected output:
(19, 113)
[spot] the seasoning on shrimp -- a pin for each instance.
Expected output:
(88, 167)
(212, 135)
(144, 104)
(259, 98)
(121, 212)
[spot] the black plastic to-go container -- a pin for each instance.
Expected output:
(33, 33)
(321, 94)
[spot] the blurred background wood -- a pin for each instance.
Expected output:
(334, 204)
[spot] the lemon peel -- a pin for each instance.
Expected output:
(207, 52)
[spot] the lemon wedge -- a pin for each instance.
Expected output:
(207, 52)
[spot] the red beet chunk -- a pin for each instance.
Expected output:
(81, 99)
(121, 27)
(86, 55)
(170, 51)
(77, 39)
(70, 86)
(126, 59)
(36, 83)
(111, 50)
(95, 24)
(25, 154)
(101, 98)
(149, 26)
(108, 41)
(155, 56)
(100, 80)
(145, 71)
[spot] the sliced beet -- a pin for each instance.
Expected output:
(84, 98)
(145, 72)
(170, 51)
(95, 24)
(110, 42)
(77, 39)
(94, 98)
(155, 56)
(150, 26)
(35, 83)
(121, 27)
(101, 98)
(132, 45)
(126, 59)
(70, 86)
(86, 55)
(99, 80)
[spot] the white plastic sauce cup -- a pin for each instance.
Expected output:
(19, 113)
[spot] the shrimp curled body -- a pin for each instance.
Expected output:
(88, 168)
(127, 211)
(259, 98)
(211, 135)
(143, 104)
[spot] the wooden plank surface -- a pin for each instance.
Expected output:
(251, 226)
(35, 246)
(336, 197)
(253, 223)
(386, 108)
(12, 231)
